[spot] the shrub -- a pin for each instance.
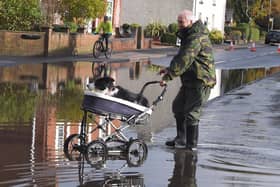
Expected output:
(72, 26)
(236, 35)
(262, 34)
(228, 31)
(169, 38)
(216, 36)
(173, 27)
(255, 34)
(134, 25)
(154, 30)
(19, 15)
(60, 28)
(126, 28)
(245, 30)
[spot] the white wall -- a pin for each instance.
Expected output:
(144, 12)
(215, 14)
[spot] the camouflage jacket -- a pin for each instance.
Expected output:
(194, 60)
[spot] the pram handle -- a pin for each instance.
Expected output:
(159, 98)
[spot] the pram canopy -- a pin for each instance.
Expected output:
(114, 107)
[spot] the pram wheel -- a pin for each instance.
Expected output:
(96, 152)
(72, 146)
(137, 152)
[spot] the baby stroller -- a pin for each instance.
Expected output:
(100, 106)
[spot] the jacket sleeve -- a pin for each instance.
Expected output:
(110, 30)
(185, 57)
(99, 27)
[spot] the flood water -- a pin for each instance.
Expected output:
(40, 107)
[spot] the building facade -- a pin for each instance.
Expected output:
(144, 12)
(211, 12)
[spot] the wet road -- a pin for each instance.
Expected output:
(265, 56)
(40, 107)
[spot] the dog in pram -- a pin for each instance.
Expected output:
(106, 85)
(110, 103)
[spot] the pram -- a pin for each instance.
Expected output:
(105, 109)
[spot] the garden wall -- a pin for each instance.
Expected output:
(12, 44)
(51, 43)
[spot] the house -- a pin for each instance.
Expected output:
(211, 12)
(143, 12)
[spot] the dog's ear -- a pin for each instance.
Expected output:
(100, 84)
(109, 81)
(104, 82)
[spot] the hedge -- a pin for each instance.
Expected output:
(169, 38)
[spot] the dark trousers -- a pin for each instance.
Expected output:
(188, 103)
(106, 37)
(187, 110)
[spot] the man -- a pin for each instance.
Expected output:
(194, 63)
(106, 27)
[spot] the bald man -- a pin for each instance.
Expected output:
(194, 64)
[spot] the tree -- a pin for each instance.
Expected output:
(79, 11)
(19, 15)
(257, 11)
(275, 8)
(240, 10)
(49, 9)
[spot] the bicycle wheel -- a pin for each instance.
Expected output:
(97, 49)
(72, 146)
(108, 52)
(137, 152)
(96, 153)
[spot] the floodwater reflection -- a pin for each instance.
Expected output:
(184, 172)
(40, 107)
(95, 175)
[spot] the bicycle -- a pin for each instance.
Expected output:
(99, 47)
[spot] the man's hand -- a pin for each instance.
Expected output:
(166, 76)
(162, 83)
(163, 72)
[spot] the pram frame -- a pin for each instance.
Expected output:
(117, 135)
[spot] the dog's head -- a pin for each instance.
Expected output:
(104, 83)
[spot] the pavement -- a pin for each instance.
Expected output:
(238, 142)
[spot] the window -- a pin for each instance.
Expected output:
(214, 3)
(200, 15)
(110, 9)
(59, 137)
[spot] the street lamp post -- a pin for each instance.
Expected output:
(269, 18)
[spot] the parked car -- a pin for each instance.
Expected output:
(272, 36)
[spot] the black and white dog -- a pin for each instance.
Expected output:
(106, 86)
